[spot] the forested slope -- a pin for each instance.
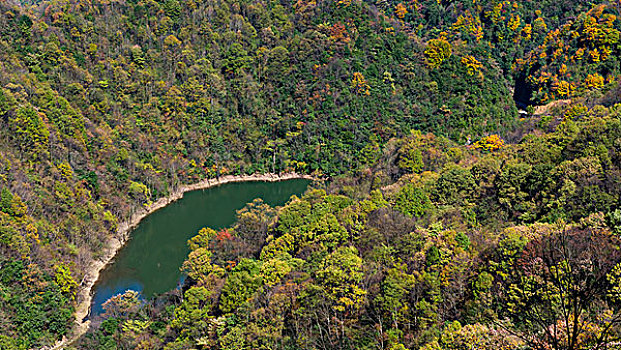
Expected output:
(106, 106)
(488, 246)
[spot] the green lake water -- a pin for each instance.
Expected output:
(150, 261)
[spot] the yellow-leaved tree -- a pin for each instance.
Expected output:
(359, 85)
(438, 51)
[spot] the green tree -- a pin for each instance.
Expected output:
(412, 201)
(31, 132)
(340, 274)
(240, 285)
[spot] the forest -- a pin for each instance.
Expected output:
(490, 246)
(467, 154)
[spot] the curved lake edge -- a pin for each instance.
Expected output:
(117, 241)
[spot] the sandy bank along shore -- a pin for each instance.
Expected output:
(116, 242)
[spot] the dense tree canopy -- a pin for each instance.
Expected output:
(106, 106)
(494, 248)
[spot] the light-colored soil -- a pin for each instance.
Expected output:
(545, 109)
(116, 242)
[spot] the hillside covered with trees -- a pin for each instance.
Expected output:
(489, 247)
(436, 228)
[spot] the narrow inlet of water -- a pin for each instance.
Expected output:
(149, 262)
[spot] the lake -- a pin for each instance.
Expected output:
(150, 261)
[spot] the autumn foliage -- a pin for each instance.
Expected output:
(490, 143)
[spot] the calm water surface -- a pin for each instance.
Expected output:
(150, 261)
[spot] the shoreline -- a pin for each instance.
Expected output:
(116, 241)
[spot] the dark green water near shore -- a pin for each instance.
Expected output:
(150, 261)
